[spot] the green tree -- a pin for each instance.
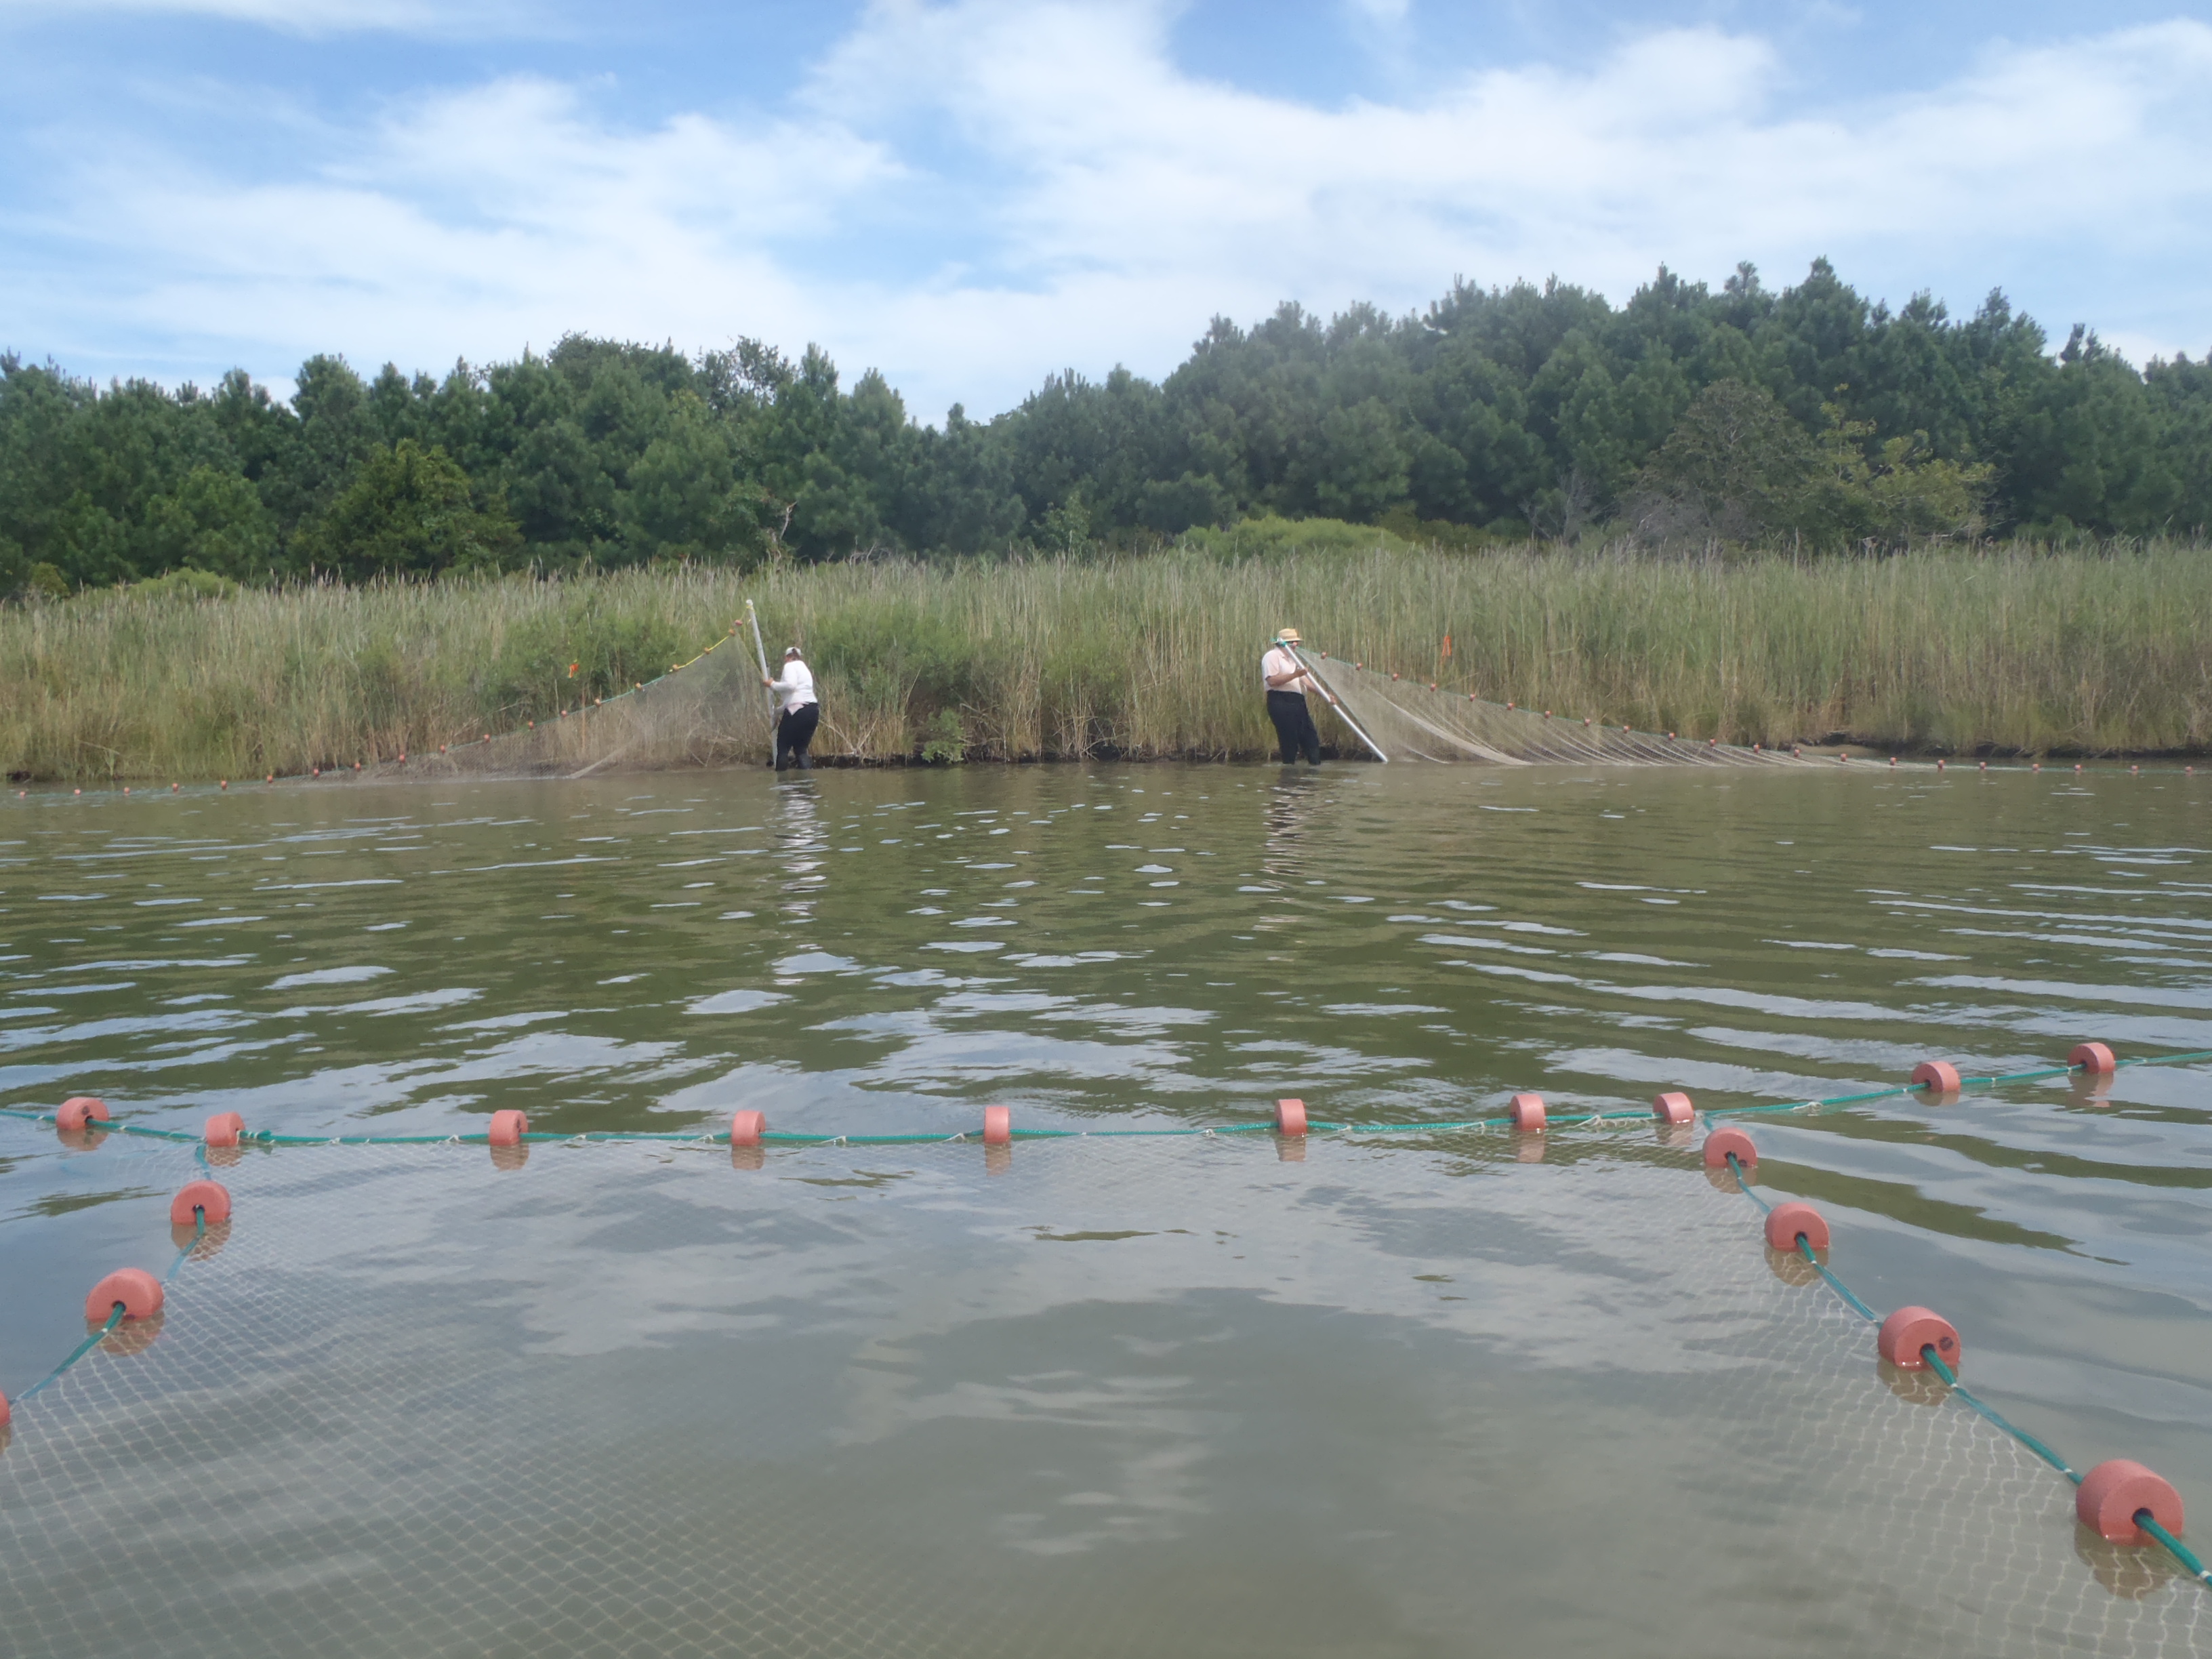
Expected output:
(213, 521)
(688, 497)
(409, 511)
(1736, 465)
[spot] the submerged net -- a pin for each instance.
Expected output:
(1218, 1395)
(708, 712)
(1407, 720)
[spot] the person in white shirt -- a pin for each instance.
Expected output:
(802, 713)
(1286, 679)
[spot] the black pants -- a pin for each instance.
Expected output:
(1294, 727)
(793, 732)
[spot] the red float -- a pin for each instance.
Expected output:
(77, 1108)
(1722, 1143)
(224, 1129)
(5, 1412)
(997, 1126)
(747, 1128)
(2093, 1057)
(210, 1198)
(1290, 1117)
(138, 1290)
(508, 1129)
(1939, 1075)
(2112, 1494)
(1787, 1223)
(1526, 1112)
(1673, 1107)
(1907, 1331)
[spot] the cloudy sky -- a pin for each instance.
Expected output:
(970, 193)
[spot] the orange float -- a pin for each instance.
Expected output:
(1788, 1222)
(2087, 1056)
(2112, 1495)
(1723, 1144)
(1290, 1117)
(137, 1292)
(76, 1111)
(209, 1200)
(1909, 1330)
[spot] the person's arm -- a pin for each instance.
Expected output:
(1283, 682)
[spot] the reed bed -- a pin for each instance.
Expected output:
(2010, 651)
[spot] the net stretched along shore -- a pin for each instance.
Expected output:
(1410, 720)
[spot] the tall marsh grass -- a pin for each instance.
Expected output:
(2024, 651)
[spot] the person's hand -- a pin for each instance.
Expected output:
(768, 682)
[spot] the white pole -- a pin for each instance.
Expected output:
(760, 650)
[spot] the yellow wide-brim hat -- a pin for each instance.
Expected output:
(1289, 636)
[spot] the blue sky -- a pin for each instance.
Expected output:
(969, 194)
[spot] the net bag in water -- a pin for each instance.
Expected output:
(1200, 1395)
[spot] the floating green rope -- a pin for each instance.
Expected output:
(199, 1232)
(2180, 1551)
(1744, 1187)
(1951, 1378)
(785, 1137)
(1805, 1249)
(76, 1354)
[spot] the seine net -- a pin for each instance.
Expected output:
(708, 712)
(1409, 720)
(1077, 1397)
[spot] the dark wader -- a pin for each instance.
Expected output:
(793, 732)
(1294, 727)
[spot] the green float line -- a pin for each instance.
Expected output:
(267, 1138)
(2180, 1551)
(1805, 1249)
(1744, 1187)
(1950, 1377)
(199, 1232)
(79, 1352)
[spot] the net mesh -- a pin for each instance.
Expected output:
(1217, 1395)
(1408, 720)
(708, 712)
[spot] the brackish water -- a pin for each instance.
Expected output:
(880, 953)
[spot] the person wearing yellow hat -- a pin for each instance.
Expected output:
(1286, 679)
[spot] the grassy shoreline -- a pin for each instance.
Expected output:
(2005, 651)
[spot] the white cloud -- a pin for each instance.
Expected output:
(1083, 201)
(311, 17)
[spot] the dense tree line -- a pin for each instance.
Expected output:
(1809, 416)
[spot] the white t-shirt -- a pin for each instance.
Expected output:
(1279, 660)
(797, 686)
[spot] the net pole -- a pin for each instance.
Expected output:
(760, 651)
(1330, 697)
